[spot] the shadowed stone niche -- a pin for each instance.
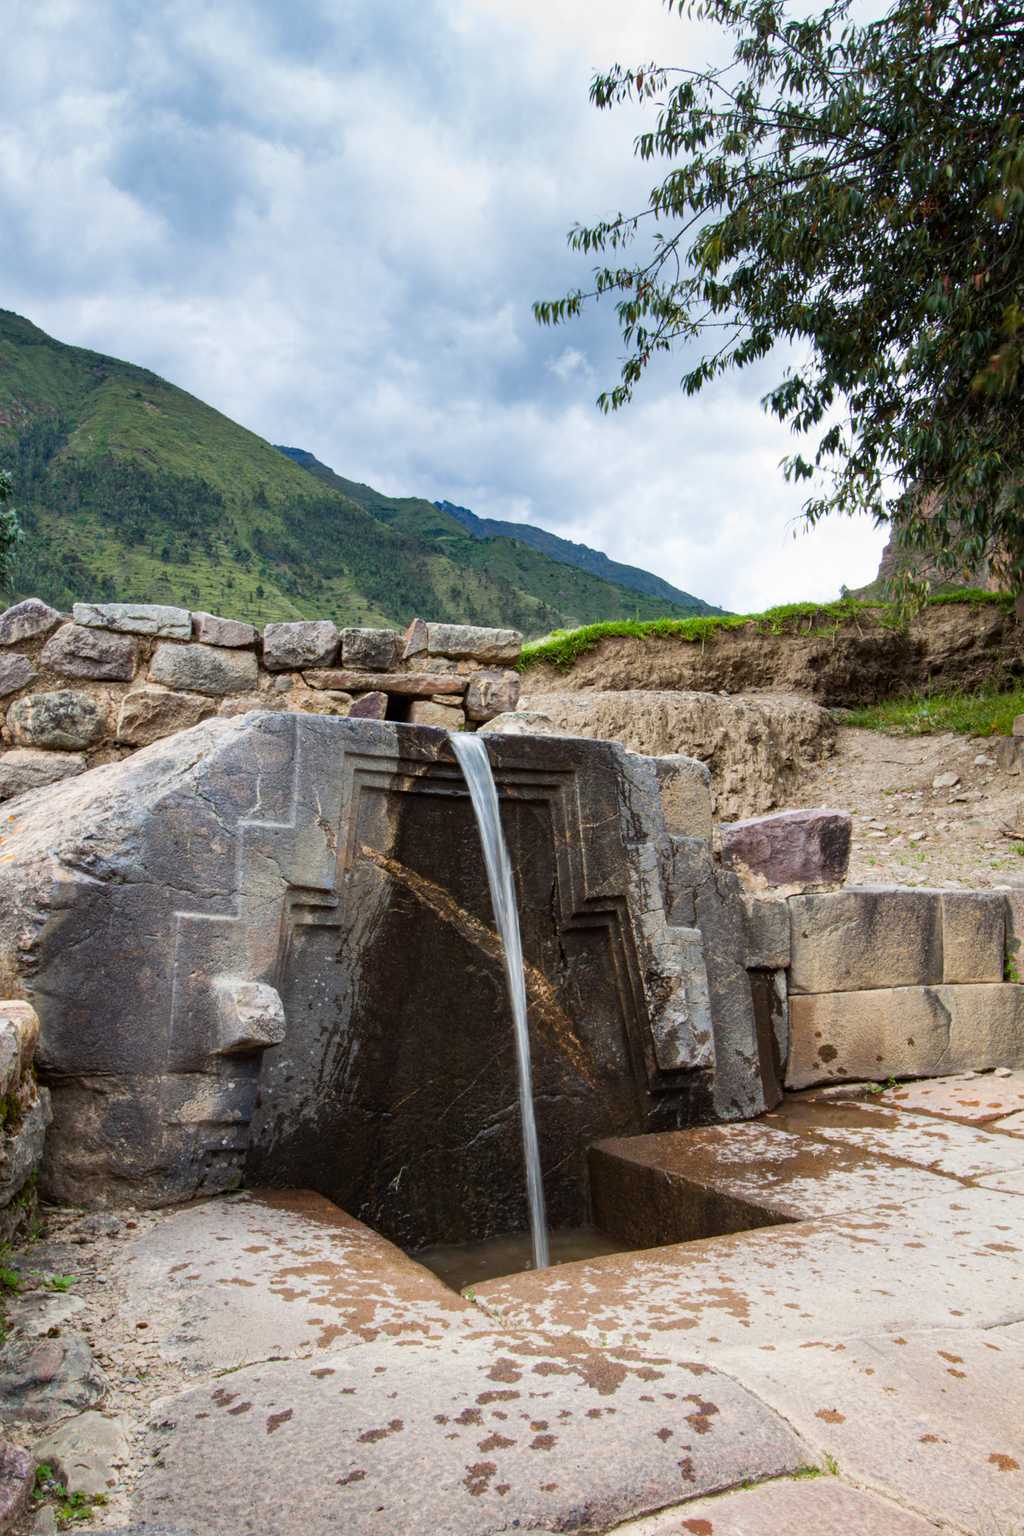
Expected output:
(263, 949)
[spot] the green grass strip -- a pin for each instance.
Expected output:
(966, 714)
(563, 647)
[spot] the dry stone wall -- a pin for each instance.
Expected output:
(95, 685)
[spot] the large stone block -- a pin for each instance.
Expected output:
(136, 619)
(421, 685)
(491, 693)
(766, 924)
(148, 713)
(459, 641)
(793, 848)
(306, 643)
(904, 1032)
(25, 768)
(209, 629)
(78, 651)
(685, 795)
(870, 936)
(973, 936)
(15, 672)
(64, 720)
(755, 745)
(370, 650)
(204, 669)
(338, 862)
(27, 620)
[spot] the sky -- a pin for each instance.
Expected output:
(330, 219)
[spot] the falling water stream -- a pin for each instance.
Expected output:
(471, 753)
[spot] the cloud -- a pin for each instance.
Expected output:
(331, 222)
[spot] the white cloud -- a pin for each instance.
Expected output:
(332, 227)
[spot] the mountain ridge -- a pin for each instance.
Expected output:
(568, 552)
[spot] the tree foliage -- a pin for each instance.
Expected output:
(10, 532)
(857, 192)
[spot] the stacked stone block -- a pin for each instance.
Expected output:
(91, 687)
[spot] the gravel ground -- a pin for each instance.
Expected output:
(907, 831)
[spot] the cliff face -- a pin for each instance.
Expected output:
(926, 566)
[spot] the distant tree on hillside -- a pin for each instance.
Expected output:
(10, 531)
(856, 191)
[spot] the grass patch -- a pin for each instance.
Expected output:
(563, 647)
(966, 714)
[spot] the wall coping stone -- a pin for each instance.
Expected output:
(136, 619)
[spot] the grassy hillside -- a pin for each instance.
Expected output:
(129, 488)
(553, 581)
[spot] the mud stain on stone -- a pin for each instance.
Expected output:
(370, 1436)
(1004, 1463)
(275, 1420)
(478, 1477)
(831, 1416)
(356, 1476)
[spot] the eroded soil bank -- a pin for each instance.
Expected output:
(860, 660)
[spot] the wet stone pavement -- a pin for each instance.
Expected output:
(271, 1365)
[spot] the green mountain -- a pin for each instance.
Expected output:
(580, 555)
(128, 488)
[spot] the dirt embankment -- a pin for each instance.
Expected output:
(859, 661)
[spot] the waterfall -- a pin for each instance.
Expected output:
(471, 754)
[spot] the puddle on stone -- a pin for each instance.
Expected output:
(464, 1264)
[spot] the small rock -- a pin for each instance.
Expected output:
(308, 643)
(87, 1449)
(25, 768)
(39, 1311)
(17, 1480)
(489, 694)
(209, 629)
(45, 1379)
(27, 621)
(983, 760)
(64, 720)
(1017, 729)
(136, 618)
(945, 780)
(78, 651)
(1003, 1071)
(45, 1522)
(430, 712)
(793, 848)
(370, 706)
(16, 672)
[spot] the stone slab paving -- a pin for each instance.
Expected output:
(1012, 1183)
(467, 1437)
(794, 1176)
(230, 1281)
(1013, 1125)
(932, 1419)
(940, 1145)
(825, 1507)
(975, 1097)
(955, 1259)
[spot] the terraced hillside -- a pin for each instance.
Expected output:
(130, 488)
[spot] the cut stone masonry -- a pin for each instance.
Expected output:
(90, 687)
